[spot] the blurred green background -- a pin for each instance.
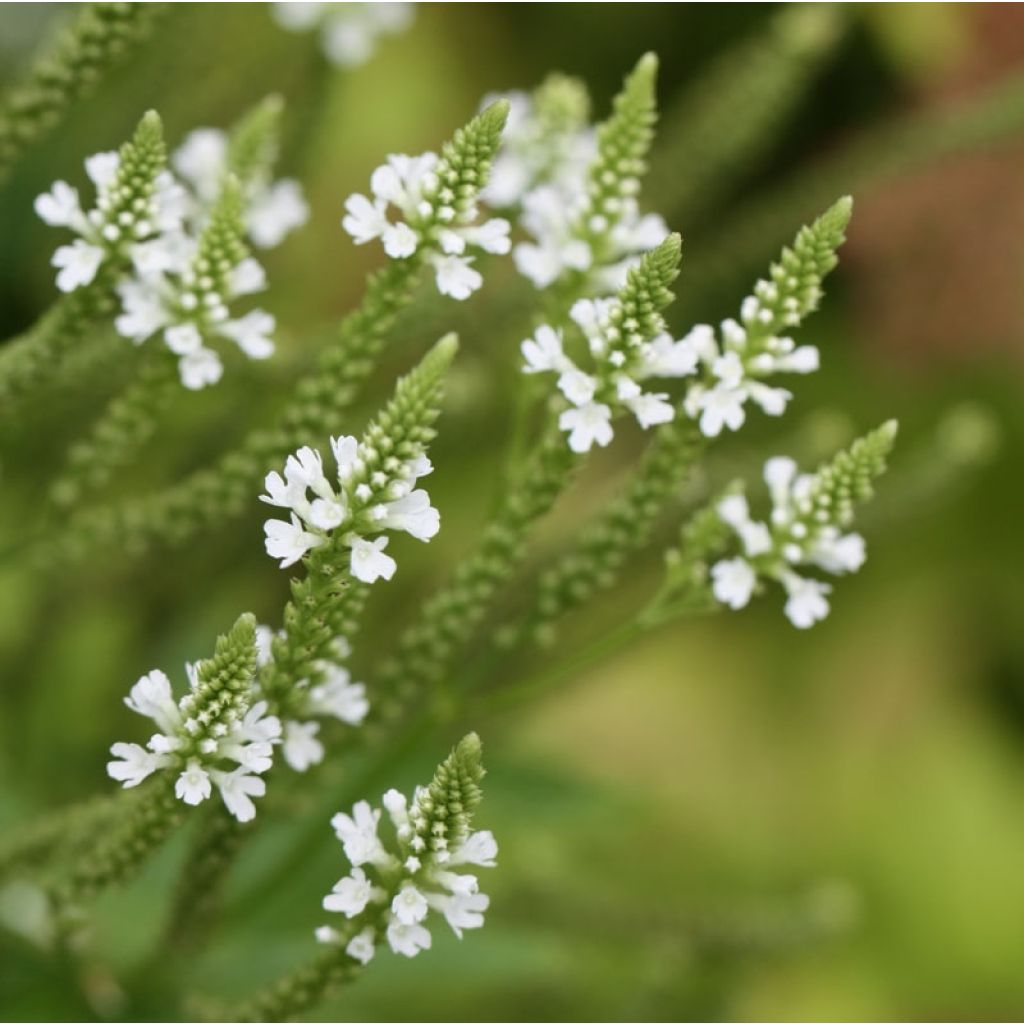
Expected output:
(731, 820)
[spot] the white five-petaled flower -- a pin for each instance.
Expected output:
(200, 747)
(622, 359)
(392, 889)
(117, 227)
(800, 532)
(428, 220)
(170, 296)
(735, 361)
(359, 507)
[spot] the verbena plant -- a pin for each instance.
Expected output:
(158, 262)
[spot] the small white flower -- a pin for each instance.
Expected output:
(338, 696)
(301, 748)
(414, 514)
(733, 582)
(806, 603)
(251, 333)
(60, 207)
(193, 784)
(407, 939)
(288, 541)
(368, 562)
(456, 277)
(409, 905)
(587, 426)
(236, 789)
(464, 910)
(352, 894)
(358, 835)
(275, 212)
(136, 763)
(151, 696)
(577, 386)
(200, 368)
(479, 848)
(543, 352)
(363, 946)
(652, 409)
(721, 406)
(78, 264)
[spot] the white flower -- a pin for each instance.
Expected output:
(837, 553)
(478, 848)
(409, 905)
(275, 212)
(200, 368)
(577, 386)
(551, 219)
(338, 696)
(733, 582)
(151, 696)
(414, 514)
(463, 910)
(301, 747)
(412, 186)
(288, 541)
(362, 946)
(587, 426)
(78, 264)
(368, 562)
(352, 894)
(136, 763)
(358, 835)
(721, 406)
(543, 352)
(407, 939)
(236, 789)
(193, 785)
(806, 603)
(456, 277)
(60, 207)
(257, 726)
(651, 409)
(202, 160)
(251, 333)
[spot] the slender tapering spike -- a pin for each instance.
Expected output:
(648, 287)
(100, 36)
(254, 140)
(847, 479)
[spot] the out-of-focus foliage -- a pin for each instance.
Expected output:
(729, 820)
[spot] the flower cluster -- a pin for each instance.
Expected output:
(271, 209)
(737, 359)
(584, 217)
(375, 492)
(218, 734)
(182, 288)
(810, 512)
(434, 217)
(137, 201)
(547, 143)
(174, 245)
(627, 344)
(348, 31)
(333, 695)
(396, 881)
